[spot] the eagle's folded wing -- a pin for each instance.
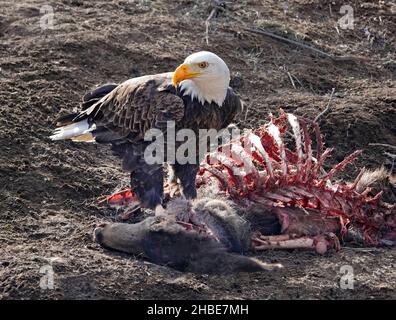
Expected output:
(134, 107)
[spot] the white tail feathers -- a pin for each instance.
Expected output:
(73, 130)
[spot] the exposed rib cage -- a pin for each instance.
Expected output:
(259, 167)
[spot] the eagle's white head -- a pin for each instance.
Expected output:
(204, 76)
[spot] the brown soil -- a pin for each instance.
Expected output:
(48, 190)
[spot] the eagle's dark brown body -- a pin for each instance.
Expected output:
(123, 114)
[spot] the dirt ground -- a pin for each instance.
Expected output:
(48, 190)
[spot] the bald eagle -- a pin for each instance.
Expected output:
(195, 96)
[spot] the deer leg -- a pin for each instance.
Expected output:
(320, 243)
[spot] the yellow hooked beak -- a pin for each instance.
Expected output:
(183, 72)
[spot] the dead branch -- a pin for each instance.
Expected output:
(295, 78)
(291, 76)
(218, 6)
(390, 155)
(393, 157)
(382, 145)
(327, 107)
(366, 250)
(207, 24)
(300, 44)
(291, 79)
(221, 6)
(247, 110)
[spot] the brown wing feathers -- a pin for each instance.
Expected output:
(87, 101)
(134, 109)
(94, 96)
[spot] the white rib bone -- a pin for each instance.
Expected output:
(298, 243)
(255, 141)
(232, 169)
(273, 130)
(239, 154)
(218, 174)
(297, 137)
(309, 159)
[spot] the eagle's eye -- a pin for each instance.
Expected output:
(203, 64)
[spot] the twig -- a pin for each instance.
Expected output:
(327, 107)
(302, 45)
(295, 78)
(218, 7)
(207, 24)
(291, 76)
(296, 43)
(291, 79)
(390, 155)
(305, 211)
(247, 110)
(338, 31)
(363, 249)
(393, 157)
(382, 145)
